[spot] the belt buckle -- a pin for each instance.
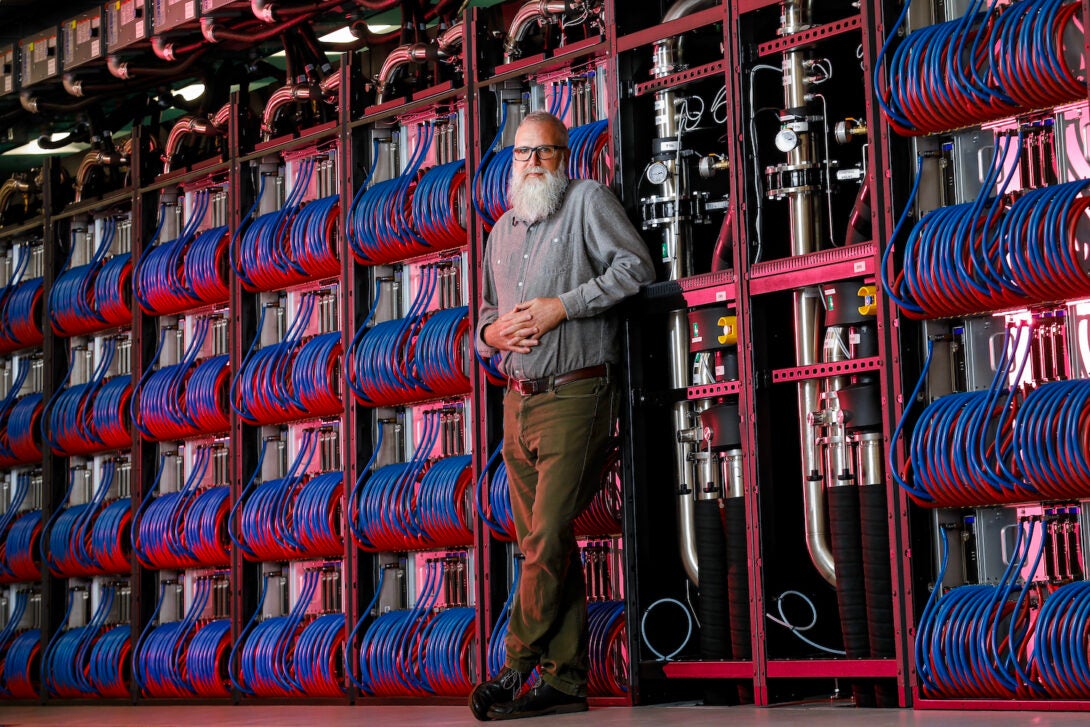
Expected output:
(530, 387)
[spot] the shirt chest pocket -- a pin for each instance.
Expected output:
(555, 256)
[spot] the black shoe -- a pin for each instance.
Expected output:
(500, 689)
(541, 700)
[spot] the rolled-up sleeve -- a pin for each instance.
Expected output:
(611, 239)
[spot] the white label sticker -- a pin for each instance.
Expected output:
(720, 296)
(697, 339)
(859, 266)
(51, 67)
(190, 10)
(720, 370)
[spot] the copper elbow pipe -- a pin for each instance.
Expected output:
(95, 159)
(527, 15)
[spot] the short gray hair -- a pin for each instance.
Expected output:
(544, 117)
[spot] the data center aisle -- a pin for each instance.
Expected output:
(682, 715)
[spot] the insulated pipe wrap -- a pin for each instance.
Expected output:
(711, 552)
(737, 577)
(879, 581)
(850, 588)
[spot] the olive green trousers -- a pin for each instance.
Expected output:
(555, 445)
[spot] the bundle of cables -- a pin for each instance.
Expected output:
(418, 651)
(974, 641)
(91, 538)
(96, 296)
(19, 550)
(178, 658)
(90, 661)
(20, 432)
(416, 505)
(985, 448)
(1051, 448)
(384, 225)
(19, 535)
(20, 308)
(293, 655)
(988, 64)
(989, 255)
(1061, 652)
(295, 516)
(493, 498)
(19, 654)
(187, 272)
(295, 244)
(416, 358)
(187, 399)
(90, 417)
(186, 528)
(292, 379)
(960, 450)
(608, 649)
(20, 422)
(497, 647)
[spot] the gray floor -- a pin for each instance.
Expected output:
(659, 716)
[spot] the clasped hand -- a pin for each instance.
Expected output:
(521, 329)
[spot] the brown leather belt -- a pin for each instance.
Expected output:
(528, 387)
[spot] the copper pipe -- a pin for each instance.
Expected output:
(450, 39)
(185, 126)
(9, 189)
(285, 95)
(269, 12)
(222, 117)
(398, 57)
(96, 159)
(442, 48)
(530, 13)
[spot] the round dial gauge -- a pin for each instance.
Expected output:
(786, 140)
(657, 173)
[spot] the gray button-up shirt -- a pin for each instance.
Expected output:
(587, 254)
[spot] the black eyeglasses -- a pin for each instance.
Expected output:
(545, 152)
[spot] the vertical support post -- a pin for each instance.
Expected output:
(747, 363)
(54, 355)
(144, 214)
(243, 455)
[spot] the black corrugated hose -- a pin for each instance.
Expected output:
(851, 594)
(738, 586)
(876, 569)
(711, 557)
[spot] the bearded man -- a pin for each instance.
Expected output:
(557, 263)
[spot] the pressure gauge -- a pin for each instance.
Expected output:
(657, 173)
(786, 140)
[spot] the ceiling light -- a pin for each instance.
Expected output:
(191, 92)
(344, 35)
(32, 147)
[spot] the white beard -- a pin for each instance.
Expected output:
(532, 200)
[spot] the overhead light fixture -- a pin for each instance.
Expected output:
(191, 92)
(344, 35)
(32, 148)
(341, 35)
